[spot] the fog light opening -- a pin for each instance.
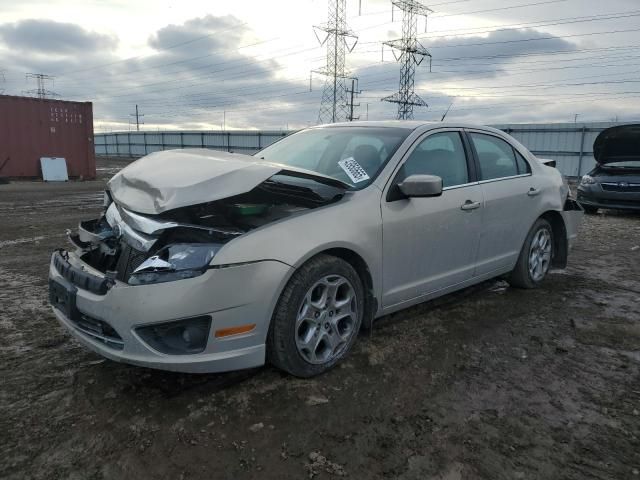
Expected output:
(193, 336)
(181, 337)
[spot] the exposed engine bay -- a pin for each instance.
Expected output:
(180, 243)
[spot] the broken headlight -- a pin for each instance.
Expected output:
(175, 262)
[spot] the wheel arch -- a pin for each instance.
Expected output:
(363, 271)
(560, 243)
(360, 265)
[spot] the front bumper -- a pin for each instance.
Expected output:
(232, 296)
(595, 196)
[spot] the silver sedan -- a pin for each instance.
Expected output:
(207, 261)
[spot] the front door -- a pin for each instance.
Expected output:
(431, 243)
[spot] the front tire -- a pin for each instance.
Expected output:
(535, 257)
(590, 210)
(317, 318)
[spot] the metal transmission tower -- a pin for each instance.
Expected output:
(41, 91)
(412, 53)
(339, 40)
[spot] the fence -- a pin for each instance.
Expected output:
(137, 144)
(571, 145)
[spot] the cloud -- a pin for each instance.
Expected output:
(47, 36)
(220, 32)
(200, 72)
(504, 44)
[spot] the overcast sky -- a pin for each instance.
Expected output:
(193, 64)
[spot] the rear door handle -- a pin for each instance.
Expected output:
(533, 192)
(469, 205)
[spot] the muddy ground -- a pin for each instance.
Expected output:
(490, 383)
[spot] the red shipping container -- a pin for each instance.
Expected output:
(31, 128)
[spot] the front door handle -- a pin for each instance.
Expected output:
(469, 205)
(533, 192)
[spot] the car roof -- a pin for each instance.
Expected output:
(409, 124)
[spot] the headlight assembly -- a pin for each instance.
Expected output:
(587, 180)
(175, 262)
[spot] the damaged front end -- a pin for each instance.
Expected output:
(180, 243)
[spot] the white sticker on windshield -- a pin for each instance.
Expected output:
(353, 169)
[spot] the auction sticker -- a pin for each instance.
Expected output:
(353, 169)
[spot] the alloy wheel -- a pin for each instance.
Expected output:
(326, 319)
(540, 254)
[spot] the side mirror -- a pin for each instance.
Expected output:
(421, 186)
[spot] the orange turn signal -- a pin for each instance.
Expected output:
(227, 332)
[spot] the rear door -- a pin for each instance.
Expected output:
(511, 201)
(431, 243)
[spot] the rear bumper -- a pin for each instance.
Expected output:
(233, 296)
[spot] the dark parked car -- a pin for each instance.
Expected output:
(615, 180)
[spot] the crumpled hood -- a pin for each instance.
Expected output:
(617, 144)
(172, 179)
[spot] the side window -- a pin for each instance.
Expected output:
(440, 154)
(496, 157)
(523, 165)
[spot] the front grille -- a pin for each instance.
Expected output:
(98, 330)
(129, 260)
(621, 187)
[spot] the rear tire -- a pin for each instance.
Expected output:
(317, 318)
(535, 257)
(590, 210)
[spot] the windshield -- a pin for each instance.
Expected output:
(354, 155)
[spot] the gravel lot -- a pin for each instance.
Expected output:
(491, 383)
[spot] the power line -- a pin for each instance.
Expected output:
(170, 47)
(484, 107)
(261, 90)
(538, 23)
(590, 18)
(377, 64)
(249, 62)
(509, 56)
(542, 53)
